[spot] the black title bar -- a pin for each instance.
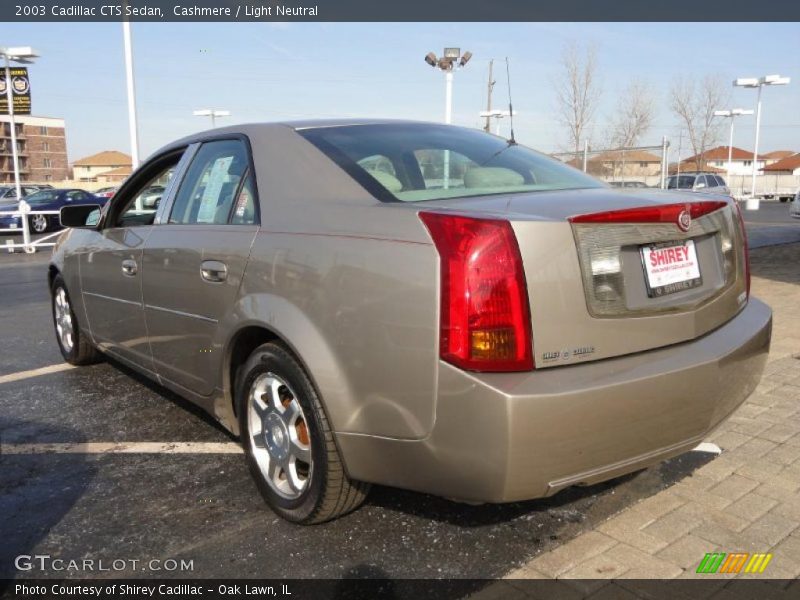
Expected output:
(397, 10)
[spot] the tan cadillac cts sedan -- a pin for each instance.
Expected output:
(415, 305)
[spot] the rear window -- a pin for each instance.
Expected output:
(418, 162)
(682, 182)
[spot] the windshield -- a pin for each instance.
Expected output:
(417, 162)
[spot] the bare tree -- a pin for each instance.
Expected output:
(578, 92)
(694, 105)
(634, 115)
(632, 118)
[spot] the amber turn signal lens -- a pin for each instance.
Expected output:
(493, 344)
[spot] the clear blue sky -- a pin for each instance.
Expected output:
(264, 72)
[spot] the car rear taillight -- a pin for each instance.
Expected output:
(484, 322)
(745, 247)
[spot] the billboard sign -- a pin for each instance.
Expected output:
(20, 90)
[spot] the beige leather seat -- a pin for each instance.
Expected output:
(387, 180)
(492, 177)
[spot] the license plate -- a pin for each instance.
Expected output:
(12, 225)
(670, 267)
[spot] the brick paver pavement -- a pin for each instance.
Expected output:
(745, 500)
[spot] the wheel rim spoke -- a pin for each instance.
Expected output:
(296, 484)
(292, 413)
(300, 451)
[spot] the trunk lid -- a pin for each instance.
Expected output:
(611, 272)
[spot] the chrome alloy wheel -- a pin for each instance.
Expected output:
(279, 437)
(63, 318)
(39, 223)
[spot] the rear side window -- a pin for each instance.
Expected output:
(244, 211)
(211, 184)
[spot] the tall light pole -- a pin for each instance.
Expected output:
(731, 114)
(758, 82)
(451, 60)
(214, 114)
(448, 63)
(133, 128)
(23, 55)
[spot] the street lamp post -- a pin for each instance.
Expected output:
(449, 62)
(758, 82)
(496, 115)
(731, 114)
(130, 86)
(214, 114)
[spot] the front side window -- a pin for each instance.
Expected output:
(207, 192)
(141, 206)
(435, 162)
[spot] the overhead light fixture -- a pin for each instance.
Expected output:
(465, 58)
(746, 82)
(431, 59)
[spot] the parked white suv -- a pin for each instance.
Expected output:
(794, 207)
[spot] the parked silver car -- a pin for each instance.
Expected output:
(415, 305)
(698, 182)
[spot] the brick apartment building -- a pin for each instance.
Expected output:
(42, 147)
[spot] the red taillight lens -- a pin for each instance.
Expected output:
(485, 322)
(659, 213)
(745, 247)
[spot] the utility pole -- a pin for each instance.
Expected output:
(489, 88)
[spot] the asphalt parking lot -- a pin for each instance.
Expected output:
(771, 224)
(168, 504)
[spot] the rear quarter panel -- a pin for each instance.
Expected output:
(361, 313)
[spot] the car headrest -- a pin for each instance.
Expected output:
(387, 180)
(490, 177)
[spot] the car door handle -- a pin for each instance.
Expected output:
(213, 271)
(129, 267)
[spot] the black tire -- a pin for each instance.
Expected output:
(329, 492)
(81, 351)
(36, 227)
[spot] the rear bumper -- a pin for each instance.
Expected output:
(508, 437)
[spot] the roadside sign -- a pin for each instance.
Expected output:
(20, 89)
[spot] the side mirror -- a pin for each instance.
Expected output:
(80, 216)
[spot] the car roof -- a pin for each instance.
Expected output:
(251, 129)
(694, 173)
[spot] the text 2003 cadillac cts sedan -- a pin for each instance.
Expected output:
(415, 305)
